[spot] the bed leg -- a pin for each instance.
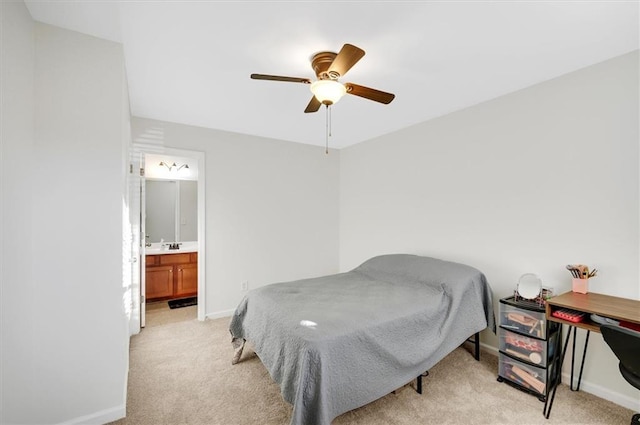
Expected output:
(419, 382)
(238, 346)
(476, 342)
(476, 345)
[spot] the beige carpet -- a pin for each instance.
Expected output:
(159, 313)
(181, 373)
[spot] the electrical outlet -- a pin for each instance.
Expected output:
(244, 286)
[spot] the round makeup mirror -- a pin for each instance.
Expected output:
(529, 286)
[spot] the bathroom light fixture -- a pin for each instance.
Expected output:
(174, 168)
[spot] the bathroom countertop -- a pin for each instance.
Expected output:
(153, 250)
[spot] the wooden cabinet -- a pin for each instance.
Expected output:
(186, 279)
(171, 276)
(159, 282)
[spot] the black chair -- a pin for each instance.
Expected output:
(625, 344)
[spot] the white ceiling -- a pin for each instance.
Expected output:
(189, 61)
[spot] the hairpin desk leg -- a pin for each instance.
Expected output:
(584, 355)
(548, 404)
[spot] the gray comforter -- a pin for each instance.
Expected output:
(338, 342)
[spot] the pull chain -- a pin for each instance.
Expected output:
(328, 129)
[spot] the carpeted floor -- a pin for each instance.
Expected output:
(159, 313)
(181, 373)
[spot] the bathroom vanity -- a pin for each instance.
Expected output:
(173, 274)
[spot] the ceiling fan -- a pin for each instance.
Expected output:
(329, 67)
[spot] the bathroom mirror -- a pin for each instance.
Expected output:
(171, 210)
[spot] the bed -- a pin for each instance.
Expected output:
(338, 342)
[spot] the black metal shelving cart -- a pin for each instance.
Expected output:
(527, 346)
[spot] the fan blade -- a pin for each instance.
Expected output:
(371, 94)
(348, 56)
(279, 78)
(313, 105)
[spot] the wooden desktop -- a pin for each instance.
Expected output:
(620, 309)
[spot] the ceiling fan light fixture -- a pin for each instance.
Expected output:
(328, 92)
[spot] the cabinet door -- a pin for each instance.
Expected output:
(187, 279)
(159, 282)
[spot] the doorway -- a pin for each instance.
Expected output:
(185, 169)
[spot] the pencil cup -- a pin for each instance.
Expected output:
(580, 285)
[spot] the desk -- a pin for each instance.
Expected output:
(621, 309)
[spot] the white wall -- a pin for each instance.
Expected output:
(64, 328)
(77, 227)
(18, 347)
(528, 182)
(271, 208)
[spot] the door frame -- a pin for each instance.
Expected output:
(199, 156)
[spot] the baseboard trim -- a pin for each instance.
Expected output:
(604, 393)
(101, 417)
(493, 350)
(220, 314)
